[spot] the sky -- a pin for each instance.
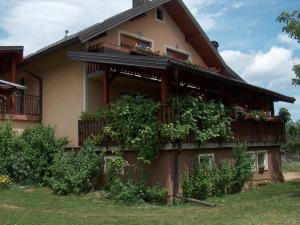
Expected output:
(251, 41)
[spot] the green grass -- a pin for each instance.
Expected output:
(268, 205)
(292, 166)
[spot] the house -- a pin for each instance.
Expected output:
(141, 50)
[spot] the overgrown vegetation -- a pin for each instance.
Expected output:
(208, 180)
(28, 157)
(133, 123)
(74, 172)
(36, 156)
(292, 132)
(129, 191)
(204, 120)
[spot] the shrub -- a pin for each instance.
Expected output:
(199, 184)
(129, 192)
(223, 179)
(156, 195)
(7, 147)
(209, 180)
(5, 182)
(73, 173)
(243, 168)
(39, 148)
(115, 166)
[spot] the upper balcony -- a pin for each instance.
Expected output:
(20, 107)
(248, 131)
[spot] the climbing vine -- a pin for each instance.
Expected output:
(133, 123)
(204, 120)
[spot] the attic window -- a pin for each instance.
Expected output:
(160, 16)
(176, 55)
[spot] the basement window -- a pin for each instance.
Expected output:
(210, 158)
(159, 15)
(262, 160)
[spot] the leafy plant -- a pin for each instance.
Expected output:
(5, 182)
(38, 153)
(243, 168)
(73, 173)
(223, 179)
(284, 115)
(204, 120)
(131, 192)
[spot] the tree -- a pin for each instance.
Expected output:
(292, 28)
(284, 115)
(292, 137)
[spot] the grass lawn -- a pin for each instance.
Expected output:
(291, 166)
(272, 204)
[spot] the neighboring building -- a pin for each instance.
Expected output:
(140, 50)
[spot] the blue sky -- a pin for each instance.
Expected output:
(251, 41)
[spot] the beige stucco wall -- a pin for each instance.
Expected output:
(63, 81)
(162, 34)
(19, 126)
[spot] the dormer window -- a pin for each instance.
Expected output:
(160, 15)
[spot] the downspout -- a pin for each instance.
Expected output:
(40, 90)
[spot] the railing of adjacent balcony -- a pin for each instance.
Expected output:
(23, 104)
(243, 130)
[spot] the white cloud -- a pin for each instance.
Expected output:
(268, 69)
(36, 23)
(284, 38)
(237, 5)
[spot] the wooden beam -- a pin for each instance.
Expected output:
(106, 87)
(164, 89)
(13, 80)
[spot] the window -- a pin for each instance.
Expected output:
(107, 163)
(172, 54)
(209, 157)
(262, 160)
(132, 42)
(160, 16)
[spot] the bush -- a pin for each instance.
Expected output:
(208, 180)
(73, 173)
(7, 147)
(199, 184)
(39, 148)
(131, 193)
(5, 182)
(156, 195)
(223, 178)
(243, 168)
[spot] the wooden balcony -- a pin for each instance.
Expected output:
(243, 130)
(20, 107)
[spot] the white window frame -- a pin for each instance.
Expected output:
(210, 163)
(178, 50)
(255, 159)
(164, 15)
(266, 160)
(111, 157)
(135, 36)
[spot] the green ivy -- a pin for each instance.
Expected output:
(132, 123)
(205, 120)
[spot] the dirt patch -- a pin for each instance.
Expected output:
(289, 176)
(7, 206)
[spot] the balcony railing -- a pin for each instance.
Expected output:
(20, 105)
(243, 130)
